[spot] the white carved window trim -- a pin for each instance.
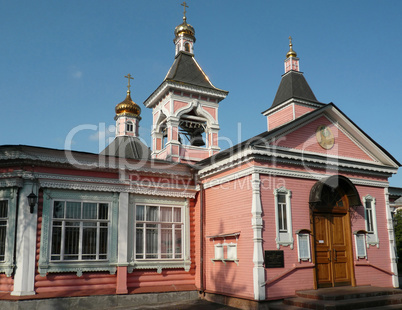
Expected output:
(9, 195)
(360, 238)
(283, 238)
(162, 263)
(303, 233)
(372, 232)
(45, 264)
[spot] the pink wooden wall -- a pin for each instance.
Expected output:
(305, 139)
(281, 117)
(298, 278)
(228, 210)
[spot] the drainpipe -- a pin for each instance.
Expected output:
(202, 207)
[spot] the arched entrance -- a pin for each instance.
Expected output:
(330, 200)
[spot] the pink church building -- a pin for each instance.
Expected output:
(301, 206)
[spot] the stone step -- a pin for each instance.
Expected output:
(281, 306)
(347, 292)
(345, 304)
(389, 307)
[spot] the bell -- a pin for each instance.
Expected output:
(197, 140)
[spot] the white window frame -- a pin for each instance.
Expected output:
(303, 233)
(372, 235)
(360, 234)
(175, 226)
(11, 196)
(163, 263)
(81, 221)
(45, 264)
(129, 126)
(283, 238)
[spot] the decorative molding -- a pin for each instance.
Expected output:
(285, 173)
(284, 238)
(159, 265)
(45, 265)
(9, 194)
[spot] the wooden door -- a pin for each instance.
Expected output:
(332, 250)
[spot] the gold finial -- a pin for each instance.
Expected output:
(184, 4)
(129, 77)
(291, 52)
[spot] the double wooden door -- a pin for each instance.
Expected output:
(332, 249)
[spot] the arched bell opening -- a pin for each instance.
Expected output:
(331, 201)
(192, 129)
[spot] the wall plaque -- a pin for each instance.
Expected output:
(274, 259)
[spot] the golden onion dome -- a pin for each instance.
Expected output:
(184, 29)
(128, 107)
(291, 52)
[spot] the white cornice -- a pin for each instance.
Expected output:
(285, 173)
(152, 100)
(294, 158)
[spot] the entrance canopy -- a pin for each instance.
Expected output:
(319, 194)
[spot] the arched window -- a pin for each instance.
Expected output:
(129, 127)
(187, 47)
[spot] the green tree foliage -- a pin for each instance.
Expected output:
(398, 237)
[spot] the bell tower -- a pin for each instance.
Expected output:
(185, 106)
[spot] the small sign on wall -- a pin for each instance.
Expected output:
(274, 259)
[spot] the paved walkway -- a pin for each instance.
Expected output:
(182, 305)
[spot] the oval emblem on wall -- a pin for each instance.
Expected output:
(324, 136)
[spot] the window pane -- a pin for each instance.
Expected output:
(3, 208)
(151, 243)
(152, 214)
(71, 241)
(56, 241)
(3, 232)
(166, 214)
(58, 210)
(139, 243)
(89, 240)
(304, 246)
(178, 246)
(360, 245)
(282, 198)
(139, 213)
(89, 210)
(103, 232)
(285, 218)
(177, 215)
(103, 211)
(166, 243)
(73, 210)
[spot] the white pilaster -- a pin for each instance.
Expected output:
(257, 224)
(391, 237)
(24, 278)
(122, 258)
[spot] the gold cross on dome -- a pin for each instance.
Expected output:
(290, 41)
(129, 77)
(184, 4)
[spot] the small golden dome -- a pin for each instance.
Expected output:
(184, 28)
(128, 107)
(291, 52)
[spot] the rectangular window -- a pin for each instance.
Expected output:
(79, 231)
(360, 245)
(304, 247)
(3, 227)
(159, 232)
(282, 218)
(369, 217)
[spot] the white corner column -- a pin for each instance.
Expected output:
(122, 235)
(392, 244)
(257, 224)
(24, 278)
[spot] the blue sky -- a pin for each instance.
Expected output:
(62, 63)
